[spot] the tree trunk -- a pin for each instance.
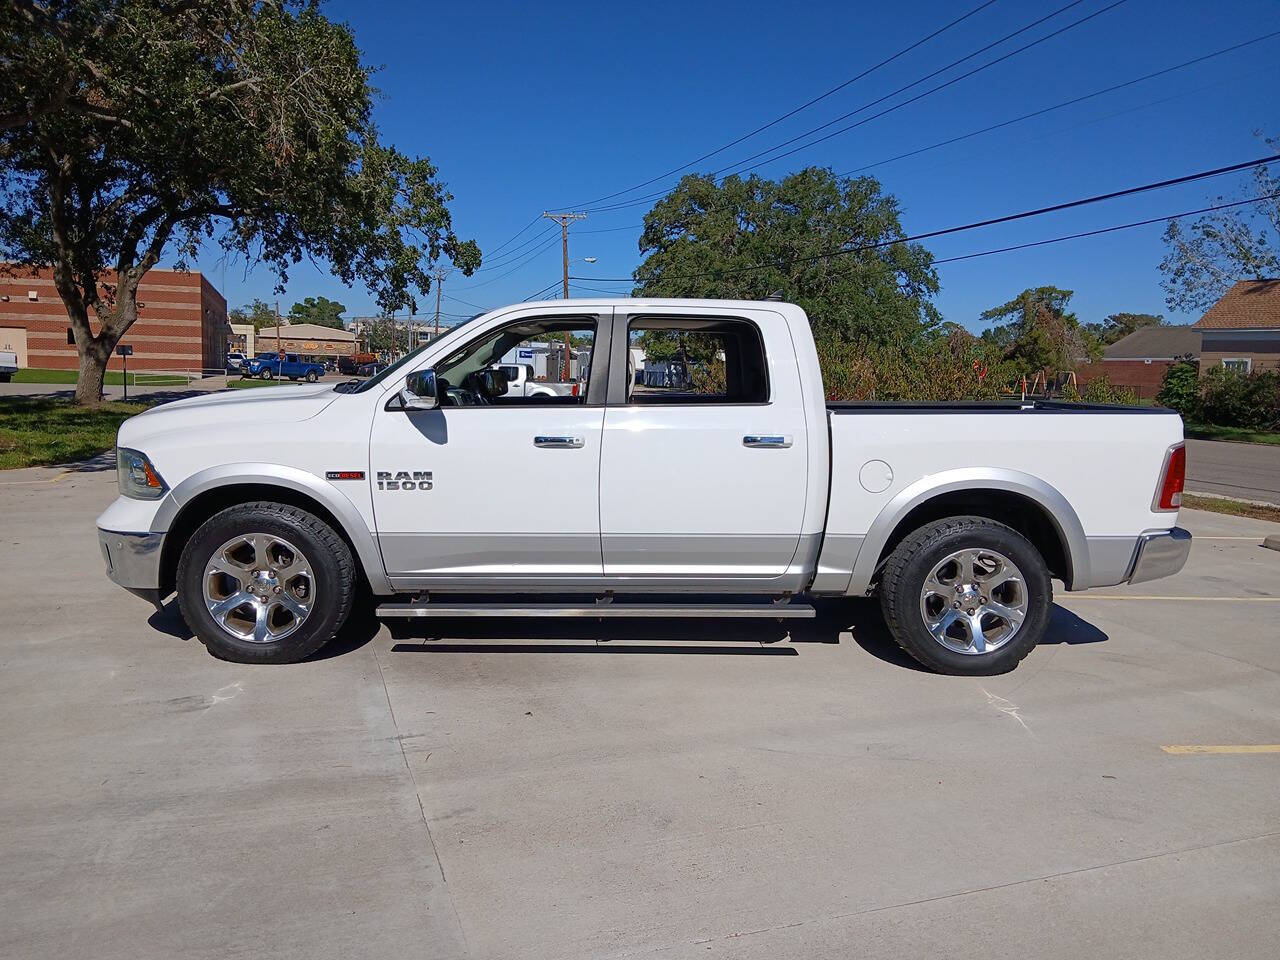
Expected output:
(94, 355)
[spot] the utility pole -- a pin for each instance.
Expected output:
(564, 219)
(439, 275)
(279, 354)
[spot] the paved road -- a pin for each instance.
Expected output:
(1250, 471)
(681, 791)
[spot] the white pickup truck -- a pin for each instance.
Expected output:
(739, 491)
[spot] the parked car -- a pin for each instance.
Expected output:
(370, 369)
(520, 382)
(266, 366)
(8, 365)
(234, 362)
(346, 366)
(746, 497)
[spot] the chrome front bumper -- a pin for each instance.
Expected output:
(133, 561)
(1161, 555)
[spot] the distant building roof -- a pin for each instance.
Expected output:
(1156, 343)
(1249, 305)
(307, 331)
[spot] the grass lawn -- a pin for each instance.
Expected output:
(114, 377)
(235, 384)
(1207, 431)
(1233, 507)
(41, 430)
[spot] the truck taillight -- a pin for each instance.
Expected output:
(1169, 496)
(575, 389)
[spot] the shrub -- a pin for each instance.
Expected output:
(1232, 399)
(1180, 389)
(1102, 390)
(939, 371)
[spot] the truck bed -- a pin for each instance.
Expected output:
(987, 406)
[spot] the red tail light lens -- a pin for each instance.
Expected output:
(1175, 476)
(575, 389)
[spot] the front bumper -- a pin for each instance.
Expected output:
(1161, 555)
(133, 561)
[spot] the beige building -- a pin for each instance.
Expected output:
(1242, 330)
(308, 339)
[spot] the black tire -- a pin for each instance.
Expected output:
(264, 374)
(324, 550)
(903, 580)
(312, 377)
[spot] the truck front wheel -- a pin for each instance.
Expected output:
(265, 583)
(264, 374)
(966, 596)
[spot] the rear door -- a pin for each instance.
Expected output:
(704, 460)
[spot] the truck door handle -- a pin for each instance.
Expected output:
(559, 443)
(752, 440)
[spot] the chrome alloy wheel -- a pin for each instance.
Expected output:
(259, 587)
(974, 601)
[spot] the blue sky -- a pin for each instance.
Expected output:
(525, 107)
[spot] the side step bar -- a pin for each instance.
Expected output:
(781, 611)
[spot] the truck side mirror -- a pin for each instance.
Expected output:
(419, 392)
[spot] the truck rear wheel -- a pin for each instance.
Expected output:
(966, 596)
(265, 583)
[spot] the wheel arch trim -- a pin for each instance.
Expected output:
(1055, 505)
(291, 478)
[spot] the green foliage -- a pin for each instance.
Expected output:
(924, 371)
(709, 240)
(318, 310)
(1204, 258)
(1102, 390)
(1180, 389)
(1233, 399)
(258, 313)
(1035, 331)
(135, 129)
(1119, 325)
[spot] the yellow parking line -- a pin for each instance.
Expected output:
(1128, 596)
(1232, 748)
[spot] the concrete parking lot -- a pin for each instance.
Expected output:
(711, 790)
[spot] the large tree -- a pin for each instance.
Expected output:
(132, 130)
(830, 244)
(1036, 332)
(1205, 257)
(318, 310)
(259, 313)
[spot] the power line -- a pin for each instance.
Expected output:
(1121, 226)
(1041, 211)
(538, 295)
(1066, 103)
(1045, 110)
(745, 164)
(804, 106)
(514, 236)
(525, 260)
(513, 254)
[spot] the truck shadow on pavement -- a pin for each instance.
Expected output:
(860, 619)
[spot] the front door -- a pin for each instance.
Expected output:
(492, 488)
(704, 464)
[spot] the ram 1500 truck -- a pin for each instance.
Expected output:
(735, 488)
(268, 365)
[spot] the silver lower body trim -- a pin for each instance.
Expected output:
(133, 561)
(1161, 555)
(600, 611)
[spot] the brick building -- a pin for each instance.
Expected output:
(1139, 360)
(1242, 330)
(181, 325)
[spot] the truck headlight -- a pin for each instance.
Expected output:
(136, 476)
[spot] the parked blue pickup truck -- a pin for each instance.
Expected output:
(265, 366)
